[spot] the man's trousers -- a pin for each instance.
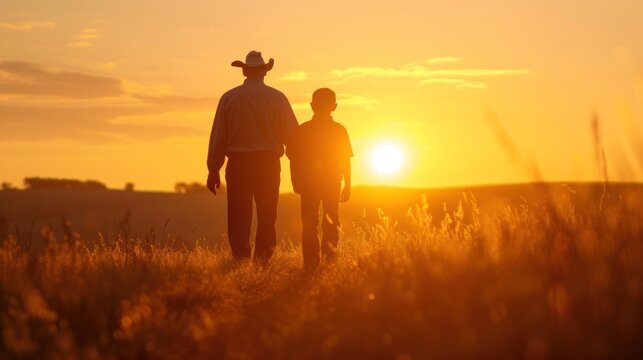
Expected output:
(252, 175)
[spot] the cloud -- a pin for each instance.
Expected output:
(49, 104)
(23, 78)
(86, 124)
(342, 99)
(27, 25)
(90, 124)
(179, 102)
(356, 100)
(294, 76)
(84, 38)
(472, 85)
(87, 34)
(108, 65)
(418, 71)
(444, 60)
(34, 121)
(426, 75)
(442, 81)
(458, 83)
(79, 44)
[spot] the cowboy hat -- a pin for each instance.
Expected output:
(254, 60)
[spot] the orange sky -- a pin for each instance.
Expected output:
(126, 90)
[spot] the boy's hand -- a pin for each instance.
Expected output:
(214, 182)
(346, 194)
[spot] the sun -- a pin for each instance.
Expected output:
(387, 158)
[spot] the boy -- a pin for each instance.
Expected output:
(319, 161)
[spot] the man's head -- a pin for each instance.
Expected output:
(255, 66)
(324, 101)
(254, 72)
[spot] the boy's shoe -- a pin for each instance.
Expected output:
(330, 259)
(311, 267)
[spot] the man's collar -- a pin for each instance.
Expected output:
(255, 80)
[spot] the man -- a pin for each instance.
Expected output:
(252, 124)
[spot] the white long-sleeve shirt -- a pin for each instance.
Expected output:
(249, 118)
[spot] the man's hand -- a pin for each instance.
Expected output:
(214, 182)
(346, 194)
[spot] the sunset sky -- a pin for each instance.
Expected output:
(124, 91)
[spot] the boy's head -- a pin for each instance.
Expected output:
(324, 101)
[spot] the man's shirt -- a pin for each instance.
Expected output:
(320, 146)
(250, 118)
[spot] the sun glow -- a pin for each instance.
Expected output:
(387, 159)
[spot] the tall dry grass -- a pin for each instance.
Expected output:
(537, 280)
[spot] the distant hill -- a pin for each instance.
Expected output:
(202, 216)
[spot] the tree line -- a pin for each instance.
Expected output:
(33, 183)
(193, 188)
(54, 183)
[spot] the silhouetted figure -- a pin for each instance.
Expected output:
(252, 124)
(320, 159)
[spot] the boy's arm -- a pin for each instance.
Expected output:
(288, 126)
(346, 173)
(295, 164)
(345, 165)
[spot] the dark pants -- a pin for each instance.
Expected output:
(252, 176)
(328, 197)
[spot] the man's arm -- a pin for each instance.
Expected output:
(345, 166)
(216, 149)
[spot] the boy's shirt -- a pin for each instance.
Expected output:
(321, 144)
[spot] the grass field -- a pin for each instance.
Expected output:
(537, 271)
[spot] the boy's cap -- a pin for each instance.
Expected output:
(254, 60)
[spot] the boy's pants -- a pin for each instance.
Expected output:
(328, 196)
(252, 175)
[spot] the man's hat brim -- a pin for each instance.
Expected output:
(268, 66)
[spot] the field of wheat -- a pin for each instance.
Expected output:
(532, 280)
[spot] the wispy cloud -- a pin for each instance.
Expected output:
(108, 65)
(356, 100)
(472, 85)
(426, 75)
(51, 103)
(444, 60)
(88, 124)
(27, 25)
(84, 38)
(23, 78)
(442, 81)
(342, 99)
(294, 76)
(419, 71)
(87, 34)
(79, 44)
(176, 102)
(458, 83)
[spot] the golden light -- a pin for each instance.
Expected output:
(387, 158)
